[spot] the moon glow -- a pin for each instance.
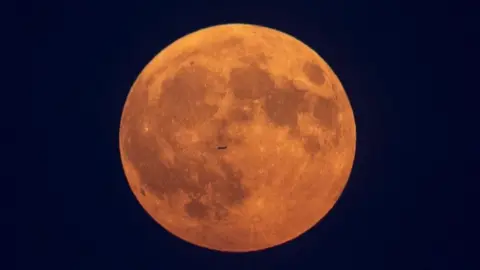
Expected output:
(237, 138)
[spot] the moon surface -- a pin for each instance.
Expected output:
(237, 138)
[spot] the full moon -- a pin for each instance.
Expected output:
(237, 138)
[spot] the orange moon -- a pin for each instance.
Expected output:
(237, 138)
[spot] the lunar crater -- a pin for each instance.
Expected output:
(314, 73)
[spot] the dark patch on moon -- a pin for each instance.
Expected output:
(142, 191)
(153, 76)
(250, 83)
(132, 121)
(311, 144)
(283, 104)
(183, 96)
(336, 138)
(221, 137)
(162, 68)
(326, 111)
(183, 56)
(314, 73)
(239, 115)
(220, 212)
(232, 192)
(231, 42)
(260, 58)
(186, 175)
(196, 209)
(228, 186)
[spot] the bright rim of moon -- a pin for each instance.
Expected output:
(237, 138)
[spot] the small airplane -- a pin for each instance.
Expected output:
(221, 147)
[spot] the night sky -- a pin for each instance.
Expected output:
(402, 208)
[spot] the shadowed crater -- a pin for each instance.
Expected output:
(314, 73)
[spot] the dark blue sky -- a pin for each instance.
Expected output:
(401, 209)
